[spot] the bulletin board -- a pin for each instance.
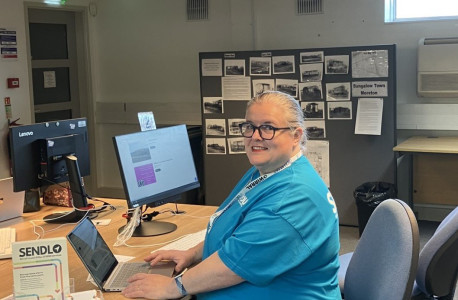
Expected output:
(348, 95)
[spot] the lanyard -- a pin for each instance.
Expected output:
(240, 197)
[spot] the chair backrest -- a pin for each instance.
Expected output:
(385, 260)
(438, 261)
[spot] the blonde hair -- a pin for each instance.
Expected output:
(292, 110)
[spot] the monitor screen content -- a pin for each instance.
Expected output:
(156, 167)
(49, 153)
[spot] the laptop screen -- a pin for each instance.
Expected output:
(93, 251)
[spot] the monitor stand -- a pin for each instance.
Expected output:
(79, 198)
(152, 228)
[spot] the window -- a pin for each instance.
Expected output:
(417, 10)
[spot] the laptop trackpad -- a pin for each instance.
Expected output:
(165, 268)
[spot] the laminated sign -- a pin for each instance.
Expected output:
(40, 269)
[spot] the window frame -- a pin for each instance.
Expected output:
(390, 15)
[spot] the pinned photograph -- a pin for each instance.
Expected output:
(262, 85)
(310, 91)
(336, 64)
(338, 91)
(215, 127)
(215, 145)
(315, 129)
(313, 110)
(339, 110)
(213, 105)
(234, 67)
(236, 145)
(311, 72)
(260, 66)
(287, 86)
(283, 64)
(233, 125)
(311, 57)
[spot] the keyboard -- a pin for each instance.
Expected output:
(7, 237)
(186, 242)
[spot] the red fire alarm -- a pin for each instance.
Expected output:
(13, 83)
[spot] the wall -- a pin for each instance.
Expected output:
(145, 51)
(13, 19)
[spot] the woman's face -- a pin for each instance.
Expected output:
(269, 155)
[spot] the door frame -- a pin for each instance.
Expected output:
(85, 88)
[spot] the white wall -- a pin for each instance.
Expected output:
(146, 51)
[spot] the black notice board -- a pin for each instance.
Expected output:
(353, 158)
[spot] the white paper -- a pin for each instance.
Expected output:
(212, 67)
(49, 79)
(369, 116)
(146, 120)
(317, 153)
(236, 88)
(369, 89)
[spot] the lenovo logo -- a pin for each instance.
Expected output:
(27, 133)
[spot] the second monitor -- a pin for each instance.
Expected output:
(156, 167)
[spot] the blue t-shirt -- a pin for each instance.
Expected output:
(283, 238)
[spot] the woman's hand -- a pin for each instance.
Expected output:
(182, 259)
(151, 286)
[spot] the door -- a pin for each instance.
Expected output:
(52, 35)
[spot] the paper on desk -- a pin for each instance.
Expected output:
(120, 258)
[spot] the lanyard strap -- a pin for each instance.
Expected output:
(252, 184)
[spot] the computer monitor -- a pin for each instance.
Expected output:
(49, 153)
(156, 166)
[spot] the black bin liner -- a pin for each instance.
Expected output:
(368, 196)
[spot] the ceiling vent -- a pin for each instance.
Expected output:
(309, 7)
(437, 67)
(197, 10)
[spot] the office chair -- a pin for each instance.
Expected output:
(384, 263)
(438, 262)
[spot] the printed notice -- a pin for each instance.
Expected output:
(369, 116)
(40, 269)
(212, 67)
(236, 88)
(369, 89)
(318, 154)
(49, 79)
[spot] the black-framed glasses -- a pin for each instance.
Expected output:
(266, 132)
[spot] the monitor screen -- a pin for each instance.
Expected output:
(156, 165)
(48, 153)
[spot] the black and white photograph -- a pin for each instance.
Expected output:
(233, 126)
(215, 127)
(234, 67)
(310, 90)
(311, 57)
(213, 105)
(336, 64)
(215, 145)
(236, 145)
(339, 110)
(260, 66)
(262, 85)
(283, 64)
(287, 86)
(315, 129)
(311, 72)
(338, 91)
(313, 110)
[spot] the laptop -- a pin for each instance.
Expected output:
(109, 274)
(11, 203)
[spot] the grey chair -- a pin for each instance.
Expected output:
(384, 263)
(438, 263)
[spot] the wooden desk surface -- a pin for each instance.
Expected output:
(429, 145)
(195, 219)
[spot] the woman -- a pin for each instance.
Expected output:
(275, 236)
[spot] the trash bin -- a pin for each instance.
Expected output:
(368, 196)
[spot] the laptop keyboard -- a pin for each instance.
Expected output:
(7, 237)
(126, 270)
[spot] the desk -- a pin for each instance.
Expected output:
(24, 231)
(434, 170)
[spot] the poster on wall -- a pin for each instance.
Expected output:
(8, 45)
